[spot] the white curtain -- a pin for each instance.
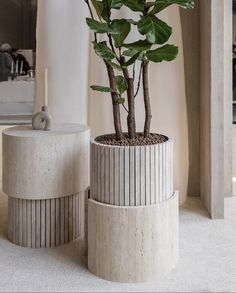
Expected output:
(63, 47)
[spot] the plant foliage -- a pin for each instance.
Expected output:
(121, 56)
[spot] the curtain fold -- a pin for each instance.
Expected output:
(62, 47)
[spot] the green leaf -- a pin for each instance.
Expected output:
(106, 13)
(165, 53)
(135, 5)
(103, 51)
(98, 6)
(130, 52)
(120, 101)
(114, 65)
(116, 4)
(97, 26)
(121, 29)
(140, 46)
(163, 4)
(156, 30)
(102, 89)
(121, 84)
(131, 60)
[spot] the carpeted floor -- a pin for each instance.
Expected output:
(207, 260)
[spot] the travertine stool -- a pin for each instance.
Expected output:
(45, 175)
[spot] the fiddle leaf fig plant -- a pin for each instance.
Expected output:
(121, 57)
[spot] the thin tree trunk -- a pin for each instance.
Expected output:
(131, 116)
(147, 102)
(115, 105)
(131, 124)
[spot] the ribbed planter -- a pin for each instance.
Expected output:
(132, 175)
(132, 212)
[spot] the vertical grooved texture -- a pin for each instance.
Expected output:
(45, 223)
(132, 176)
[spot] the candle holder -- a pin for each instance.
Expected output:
(42, 120)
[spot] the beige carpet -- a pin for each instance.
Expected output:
(207, 260)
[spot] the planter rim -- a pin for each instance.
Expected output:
(175, 194)
(93, 141)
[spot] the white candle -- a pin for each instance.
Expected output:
(12, 67)
(46, 87)
(21, 67)
(17, 67)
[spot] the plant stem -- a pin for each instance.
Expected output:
(124, 69)
(131, 116)
(139, 80)
(147, 102)
(111, 43)
(115, 105)
(131, 124)
(125, 108)
(134, 65)
(91, 13)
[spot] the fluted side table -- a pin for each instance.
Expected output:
(45, 175)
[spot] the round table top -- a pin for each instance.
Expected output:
(45, 164)
(57, 129)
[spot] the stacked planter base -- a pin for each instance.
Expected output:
(132, 212)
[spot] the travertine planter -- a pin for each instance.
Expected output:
(132, 176)
(132, 212)
(133, 244)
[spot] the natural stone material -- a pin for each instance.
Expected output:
(216, 104)
(132, 176)
(45, 164)
(42, 120)
(46, 175)
(45, 223)
(133, 244)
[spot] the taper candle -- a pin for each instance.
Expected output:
(21, 67)
(46, 87)
(17, 67)
(12, 67)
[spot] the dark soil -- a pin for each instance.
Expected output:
(139, 140)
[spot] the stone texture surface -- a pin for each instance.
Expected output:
(133, 244)
(46, 223)
(132, 176)
(46, 176)
(45, 164)
(216, 104)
